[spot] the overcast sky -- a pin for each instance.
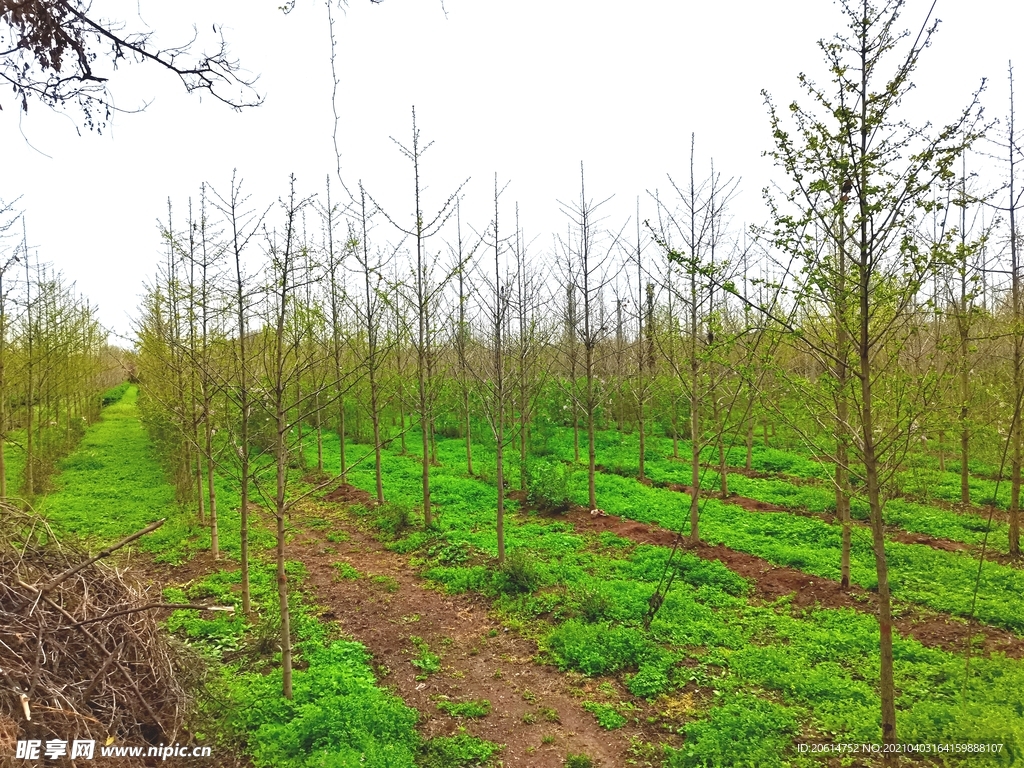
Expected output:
(527, 89)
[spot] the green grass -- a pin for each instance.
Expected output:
(818, 669)
(112, 485)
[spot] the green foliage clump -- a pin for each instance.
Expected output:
(598, 649)
(743, 731)
(338, 716)
(393, 518)
(578, 760)
(480, 708)
(608, 717)
(459, 751)
(548, 485)
(427, 662)
(114, 394)
(446, 552)
(652, 679)
(345, 571)
(518, 574)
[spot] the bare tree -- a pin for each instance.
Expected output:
(586, 253)
(49, 51)
(424, 292)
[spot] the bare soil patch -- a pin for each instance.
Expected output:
(535, 709)
(771, 582)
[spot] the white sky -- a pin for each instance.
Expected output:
(524, 88)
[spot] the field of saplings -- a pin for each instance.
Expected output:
(386, 489)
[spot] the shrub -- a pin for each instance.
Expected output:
(548, 485)
(518, 574)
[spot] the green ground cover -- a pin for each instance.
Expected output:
(942, 581)
(586, 597)
(110, 487)
(938, 580)
(14, 462)
(619, 453)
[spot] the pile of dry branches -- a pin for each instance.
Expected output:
(81, 654)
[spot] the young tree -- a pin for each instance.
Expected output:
(587, 253)
(865, 177)
(243, 225)
(695, 225)
(1014, 159)
(424, 292)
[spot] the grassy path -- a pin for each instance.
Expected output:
(113, 485)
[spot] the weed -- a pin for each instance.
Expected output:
(548, 485)
(337, 537)
(387, 583)
(607, 716)
(459, 751)
(597, 649)
(578, 760)
(449, 553)
(549, 714)
(652, 678)
(529, 718)
(427, 662)
(593, 605)
(345, 571)
(547, 738)
(393, 518)
(317, 523)
(518, 573)
(480, 708)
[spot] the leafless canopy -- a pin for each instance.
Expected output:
(51, 50)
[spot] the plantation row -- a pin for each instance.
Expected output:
(337, 705)
(780, 675)
(760, 677)
(55, 363)
(861, 325)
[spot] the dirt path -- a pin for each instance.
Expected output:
(892, 532)
(535, 709)
(975, 509)
(771, 582)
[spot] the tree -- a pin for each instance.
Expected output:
(243, 226)
(1014, 159)
(865, 177)
(422, 298)
(50, 49)
(695, 225)
(587, 254)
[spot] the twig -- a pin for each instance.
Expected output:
(104, 553)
